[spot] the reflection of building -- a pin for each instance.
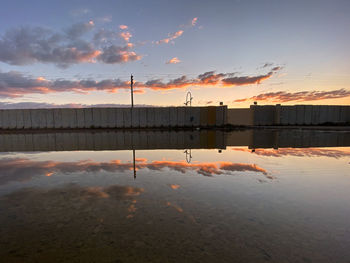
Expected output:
(143, 140)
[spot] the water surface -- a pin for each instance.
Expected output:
(201, 196)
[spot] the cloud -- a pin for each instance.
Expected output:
(307, 152)
(22, 169)
(247, 80)
(105, 19)
(126, 36)
(15, 84)
(194, 21)
(79, 29)
(43, 105)
(80, 12)
(171, 37)
(29, 45)
(123, 27)
(116, 54)
(267, 65)
(283, 96)
(174, 60)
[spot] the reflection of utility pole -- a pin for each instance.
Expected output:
(132, 91)
(133, 158)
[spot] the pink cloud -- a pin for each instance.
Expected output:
(174, 60)
(171, 37)
(123, 27)
(126, 36)
(194, 21)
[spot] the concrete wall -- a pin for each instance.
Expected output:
(240, 117)
(162, 117)
(300, 115)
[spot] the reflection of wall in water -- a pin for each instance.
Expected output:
(112, 140)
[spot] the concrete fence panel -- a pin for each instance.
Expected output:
(143, 117)
(19, 119)
(300, 115)
(111, 117)
(203, 116)
(284, 115)
(165, 117)
(323, 114)
(197, 116)
(135, 117)
(264, 115)
(308, 114)
(5, 119)
(173, 122)
(292, 115)
(220, 116)
(69, 118)
(127, 118)
(330, 113)
(1, 120)
(336, 114)
(50, 121)
(158, 117)
(315, 118)
(104, 117)
(88, 119)
(342, 115)
(38, 117)
(96, 118)
(180, 116)
(119, 119)
(150, 117)
(189, 118)
(27, 120)
(80, 118)
(240, 117)
(211, 116)
(12, 116)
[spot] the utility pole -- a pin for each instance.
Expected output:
(132, 91)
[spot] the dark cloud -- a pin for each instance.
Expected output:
(116, 54)
(77, 30)
(43, 105)
(14, 84)
(267, 65)
(29, 45)
(283, 96)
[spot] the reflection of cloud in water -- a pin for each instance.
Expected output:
(297, 152)
(174, 186)
(21, 169)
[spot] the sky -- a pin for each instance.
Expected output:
(82, 53)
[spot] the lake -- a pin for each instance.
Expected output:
(180, 196)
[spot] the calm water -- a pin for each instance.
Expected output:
(245, 196)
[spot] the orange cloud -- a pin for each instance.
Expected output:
(123, 27)
(298, 152)
(171, 37)
(174, 60)
(283, 96)
(174, 186)
(15, 84)
(126, 36)
(19, 169)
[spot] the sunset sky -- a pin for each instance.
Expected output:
(81, 53)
